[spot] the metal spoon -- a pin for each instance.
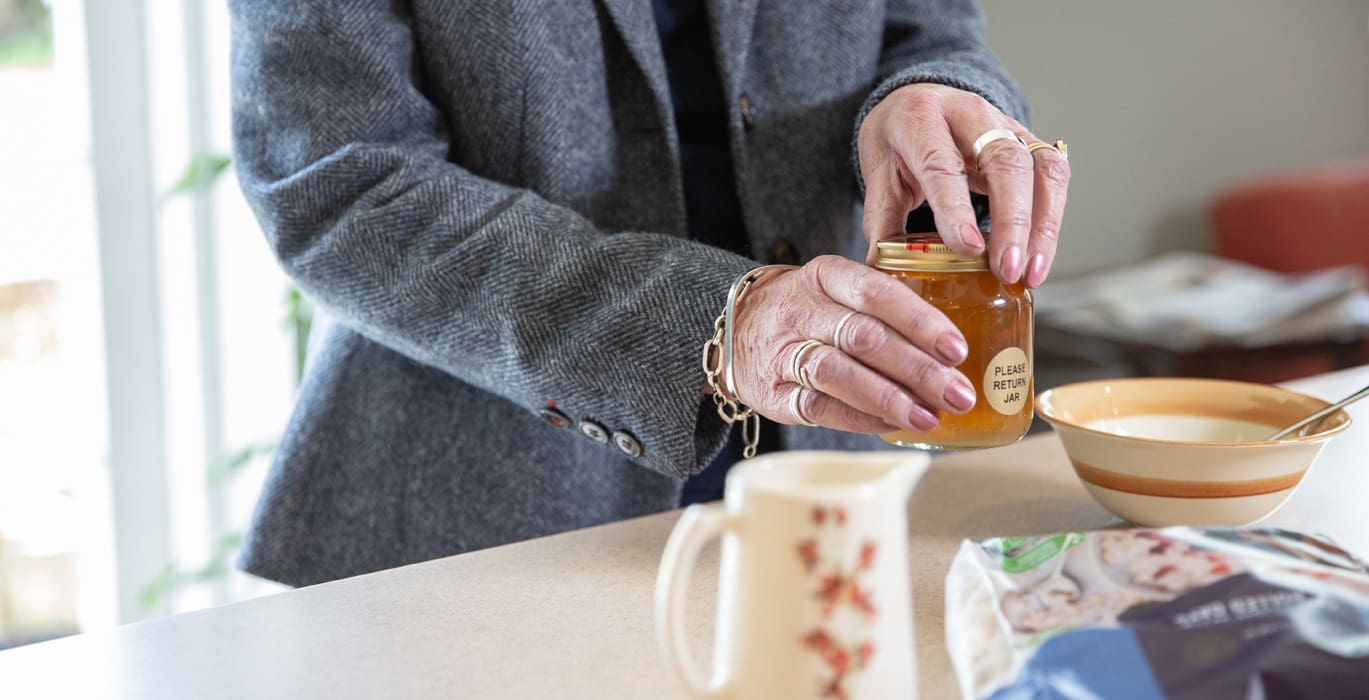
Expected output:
(1321, 414)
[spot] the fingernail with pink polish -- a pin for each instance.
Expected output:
(960, 396)
(921, 419)
(1010, 264)
(952, 347)
(1036, 270)
(970, 235)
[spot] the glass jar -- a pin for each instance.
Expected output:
(996, 320)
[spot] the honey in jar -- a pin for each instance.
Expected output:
(996, 320)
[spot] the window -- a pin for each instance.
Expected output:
(52, 414)
(145, 368)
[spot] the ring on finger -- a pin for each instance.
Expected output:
(796, 407)
(989, 137)
(841, 326)
(796, 368)
(1059, 147)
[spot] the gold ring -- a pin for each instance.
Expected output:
(795, 364)
(1058, 147)
(841, 326)
(794, 407)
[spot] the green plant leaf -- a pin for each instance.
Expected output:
(217, 566)
(166, 581)
(236, 461)
(204, 170)
(173, 578)
(299, 318)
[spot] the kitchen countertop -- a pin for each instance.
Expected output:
(570, 616)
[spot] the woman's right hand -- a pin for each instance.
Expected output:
(895, 368)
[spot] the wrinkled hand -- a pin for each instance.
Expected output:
(895, 368)
(917, 145)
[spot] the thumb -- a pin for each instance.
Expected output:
(886, 208)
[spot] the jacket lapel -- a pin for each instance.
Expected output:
(636, 24)
(732, 21)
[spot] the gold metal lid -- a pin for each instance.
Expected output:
(926, 251)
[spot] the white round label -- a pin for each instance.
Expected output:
(1007, 381)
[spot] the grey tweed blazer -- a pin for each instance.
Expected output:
(486, 197)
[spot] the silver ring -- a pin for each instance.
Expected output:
(989, 137)
(794, 408)
(841, 326)
(796, 363)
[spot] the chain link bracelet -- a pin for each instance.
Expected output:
(717, 360)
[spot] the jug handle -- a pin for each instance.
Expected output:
(698, 525)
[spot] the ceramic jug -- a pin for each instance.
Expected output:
(813, 593)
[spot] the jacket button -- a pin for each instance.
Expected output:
(595, 432)
(555, 417)
(748, 113)
(785, 253)
(627, 443)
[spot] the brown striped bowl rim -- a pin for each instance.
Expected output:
(1201, 490)
(1043, 404)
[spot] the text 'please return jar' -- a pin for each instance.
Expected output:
(996, 320)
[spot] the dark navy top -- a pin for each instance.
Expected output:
(711, 205)
(713, 212)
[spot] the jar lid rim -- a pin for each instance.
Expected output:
(927, 251)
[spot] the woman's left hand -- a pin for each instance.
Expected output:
(917, 145)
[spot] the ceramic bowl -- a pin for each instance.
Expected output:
(1161, 451)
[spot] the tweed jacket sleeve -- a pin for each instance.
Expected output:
(343, 160)
(939, 41)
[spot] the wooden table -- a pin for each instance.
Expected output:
(570, 616)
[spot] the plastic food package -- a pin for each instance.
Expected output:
(1207, 613)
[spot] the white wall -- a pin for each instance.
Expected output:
(1164, 102)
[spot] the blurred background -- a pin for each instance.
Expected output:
(150, 348)
(147, 350)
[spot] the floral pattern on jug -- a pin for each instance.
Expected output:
(846, 604)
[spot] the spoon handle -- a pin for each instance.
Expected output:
(1321, 414)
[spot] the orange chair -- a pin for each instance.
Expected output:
(1299, 222)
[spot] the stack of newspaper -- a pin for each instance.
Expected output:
(1190, 301)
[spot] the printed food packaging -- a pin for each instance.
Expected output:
(1173, 613)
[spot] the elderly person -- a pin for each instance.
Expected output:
(526, 217)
